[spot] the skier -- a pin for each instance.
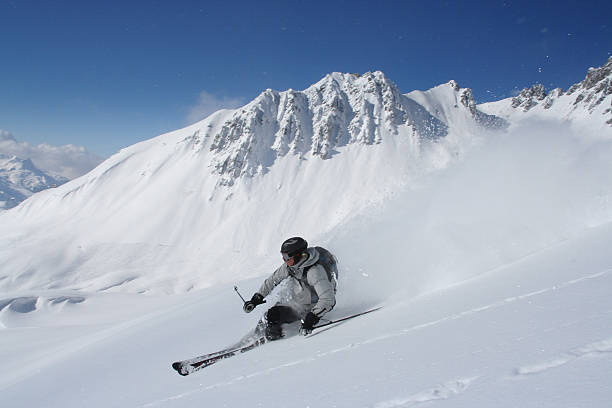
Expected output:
(313, 275)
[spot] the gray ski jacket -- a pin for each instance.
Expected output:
(313, 290)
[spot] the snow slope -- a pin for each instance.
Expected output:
(527, 325)
(533, 334)
(487, 249)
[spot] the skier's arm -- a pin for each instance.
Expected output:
(324, 289)
(277, 277)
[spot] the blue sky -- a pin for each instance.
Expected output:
(105, 75)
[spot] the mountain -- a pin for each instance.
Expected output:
(166, 214)
(67, 161)
(331, 151)
(585, 105)
(19, 179)
(456, 107)
(340, 110)
(185, 198)
(44, 166)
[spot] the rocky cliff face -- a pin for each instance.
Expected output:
(339, 110)
(595, 89)
(589, 94)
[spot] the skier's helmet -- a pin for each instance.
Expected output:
(293, 247)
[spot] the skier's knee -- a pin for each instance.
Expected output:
(273, 332)
(273, 315)
(281, 314)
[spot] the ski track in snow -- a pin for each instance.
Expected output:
(589, 350)
(442, 391)
(495, 305)
(449, 388)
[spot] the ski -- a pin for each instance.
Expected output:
(187, 367)
(207, 356)
(345, 318)
(191, 365)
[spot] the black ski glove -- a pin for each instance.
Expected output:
(308, 323)
(257, 299)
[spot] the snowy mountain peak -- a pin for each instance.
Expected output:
(361, 80)
(530, 97)
(20, 178)
(595, 88)
(591, 92)
(12, 163)
(339, 110)
(598, 76)
(588, 101)
(453, 84)
(456, 107)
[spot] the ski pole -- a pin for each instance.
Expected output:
(249, 306)
(236, 289)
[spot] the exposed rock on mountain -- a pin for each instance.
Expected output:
(339, 110)
(587, 101)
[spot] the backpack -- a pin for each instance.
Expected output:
(328, 261)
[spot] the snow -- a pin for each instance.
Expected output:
(488, 250)
(535, 332)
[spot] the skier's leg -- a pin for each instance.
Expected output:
(275, 317)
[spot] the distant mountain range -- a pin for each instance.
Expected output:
(26, 169)
(20, 179)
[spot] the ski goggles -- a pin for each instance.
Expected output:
(286, 256)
